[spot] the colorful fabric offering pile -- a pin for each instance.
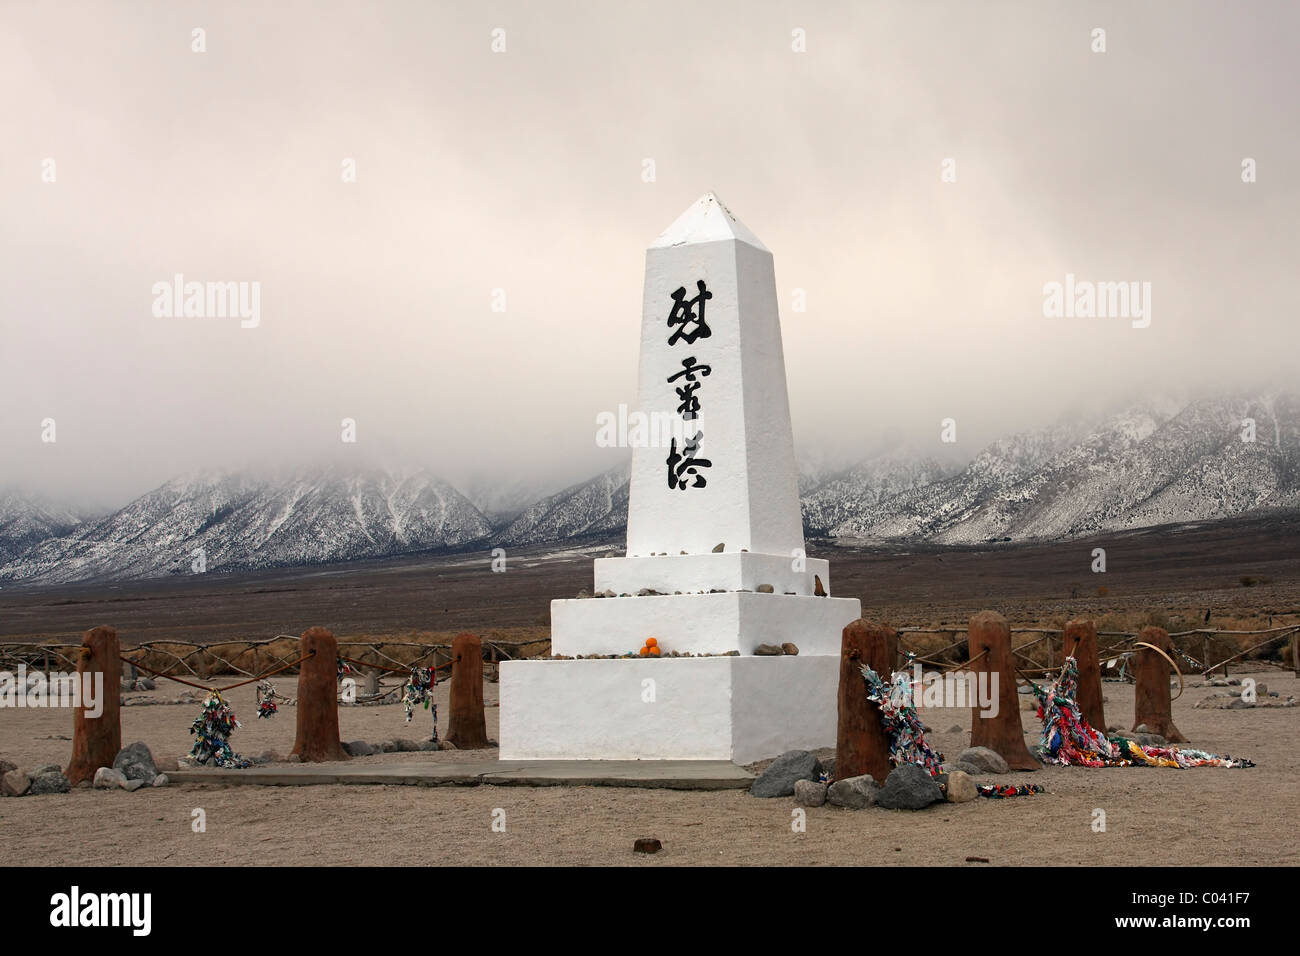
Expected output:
(213, 728)
(418, 690)
(1070, 741)
(997, 791)
(266, 695)
(902, 725)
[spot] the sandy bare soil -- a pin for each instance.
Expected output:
(1153, 816)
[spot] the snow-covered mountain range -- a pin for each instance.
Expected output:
(1144, 466)
(239, 523)
(1138, 468)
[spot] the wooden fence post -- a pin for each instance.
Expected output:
(1081, 643)
(317, 737)
(97, 740)
(1001, 731)
(861, 745)
(1151, 704)
(467, 726)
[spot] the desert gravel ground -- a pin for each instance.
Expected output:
(1153, 816)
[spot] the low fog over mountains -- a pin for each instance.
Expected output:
(1147, 465)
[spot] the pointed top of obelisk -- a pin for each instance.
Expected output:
(707, 220)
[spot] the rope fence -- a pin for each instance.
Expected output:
(196, 665)
(188, 662)
(1120, 648)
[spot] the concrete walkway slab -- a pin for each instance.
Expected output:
(649, 774)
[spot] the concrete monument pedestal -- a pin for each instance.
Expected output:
(714, 530)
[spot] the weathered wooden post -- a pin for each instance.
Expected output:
(467, 726)
(861, 745)
(1081, 644)
(1152, 705)
(1000, 731)
(97, 740)
(318, 709)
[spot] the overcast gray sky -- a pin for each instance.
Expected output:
(522, 170)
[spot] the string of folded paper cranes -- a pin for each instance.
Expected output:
(266, 699)
(417, 690)
(906, 733)
(216, 722)
(1067, 739)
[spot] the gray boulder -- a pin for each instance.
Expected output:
(909, 787)
(6, 766)
(987, 761)
(809, 793)
(854, 793)
(778, 780)
(358, 748)
(161, 780)
(106, 778)
(51, 782)
(131, 786)
(136, 762)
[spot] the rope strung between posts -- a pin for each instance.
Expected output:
(405, 671)
(1034, 684)
(1289, 630)
(946, 667)
(965, 663)
(217, 690)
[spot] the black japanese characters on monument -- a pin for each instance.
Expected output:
(689, 325)
(692, 327)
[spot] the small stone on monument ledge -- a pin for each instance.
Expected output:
(819, 591)
(765, 589)
(791, 649)
(717, 548)
(768, 650)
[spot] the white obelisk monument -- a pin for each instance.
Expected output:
(714, 528)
